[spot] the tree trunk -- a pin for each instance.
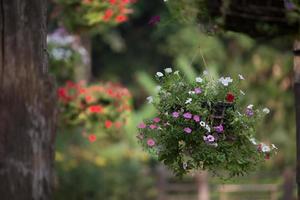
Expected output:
(297, 105)
(27, 102)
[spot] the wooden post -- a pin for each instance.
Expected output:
(297, 105)
(27, 102)
(203, 188)
(288, 183)
(83, 71)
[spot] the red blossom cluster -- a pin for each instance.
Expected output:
(96, 107)
(117, 10)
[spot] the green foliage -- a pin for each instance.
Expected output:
(221, 142)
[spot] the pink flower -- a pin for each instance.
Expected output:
(198, 91)
(219, 129)
(156, 119)
(150, 142)
(209, 138)
(154, 20)
(152, 126)
(187, 130)
(187, 115)
(175, 114)
(142, 125)
(196, 118)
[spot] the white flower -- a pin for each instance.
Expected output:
(191, 92)
(274, 147)
(184, 164)
(242, 92)
(241, 77)
(214, 144)
(168, 70)
(253, 141)
(150, 99)
(159, 74)
(202, 123)
(205, 72)
(158, 88)
(266, 110)
(189, 100)
(199, 80)
(250, 106)
(225, 81)
(265, 148)
(207, 128)
(176, 72)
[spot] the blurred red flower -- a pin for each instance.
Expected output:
(108, 14)
(92, 137)
(95, 109)
(108, 123)
(230, 97)
(121, 18)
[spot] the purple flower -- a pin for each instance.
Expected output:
(187, 115)
(187, 130)
(219, 129)
(249, 112)
(154, 20)
(152, 126)
(209, 138)
(196, 118)
(142, 125)
(156, 119)
(175, 114)
(289, 5)
(198, 91)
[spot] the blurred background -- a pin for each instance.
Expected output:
(117, 46)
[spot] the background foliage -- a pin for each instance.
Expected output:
(130, 53)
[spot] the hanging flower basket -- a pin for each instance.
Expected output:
(91, 15)
(100, 110)
(201, 126)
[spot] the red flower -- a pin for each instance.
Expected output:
(121, 18)
(92, 138)
(230, 97)
(267, 156)
(118, 125)
(88, 99)
(108, 14)
(95, 109)
(63, 95)
(112, 1)
(108, 123)
(125, 1)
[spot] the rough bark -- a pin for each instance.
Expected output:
(297, 105)
(27, 102)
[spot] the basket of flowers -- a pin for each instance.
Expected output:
(200, 125)
(86, 15)
(99, 110)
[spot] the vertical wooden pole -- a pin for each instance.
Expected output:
(203, 188)
(83, 71)
(297, 105)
